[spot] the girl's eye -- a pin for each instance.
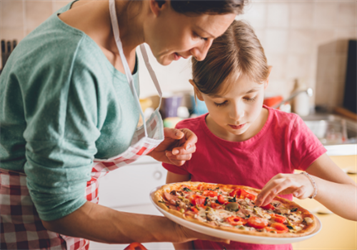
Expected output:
(220, 104)
(250, 99)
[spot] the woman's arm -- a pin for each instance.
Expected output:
(335, 189)
(103, 224)
(171, 178)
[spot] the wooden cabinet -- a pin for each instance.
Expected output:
(337, 233)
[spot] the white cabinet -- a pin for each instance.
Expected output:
(127, 189)
(131, 185)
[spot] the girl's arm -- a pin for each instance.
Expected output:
(171, 178)
(335, 190)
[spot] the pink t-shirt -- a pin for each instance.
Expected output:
(284, 143)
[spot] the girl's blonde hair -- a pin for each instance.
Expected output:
(237, 51)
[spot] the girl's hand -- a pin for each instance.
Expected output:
(297, 184)
(177, 147)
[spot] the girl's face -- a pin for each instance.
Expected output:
(236, 114)
(172, 35)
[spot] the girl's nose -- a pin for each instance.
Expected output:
(199, 52)
(237, 112)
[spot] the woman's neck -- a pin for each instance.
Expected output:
(93, 18)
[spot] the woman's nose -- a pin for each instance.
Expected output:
(199, 52)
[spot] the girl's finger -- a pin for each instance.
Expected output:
(275, 190)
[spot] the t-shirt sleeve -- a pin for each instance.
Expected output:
(61, 115)
(173, 168)
(305, 146)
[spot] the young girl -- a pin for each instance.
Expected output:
(243, 142)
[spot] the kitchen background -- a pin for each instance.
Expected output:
(305, 40)
(292, 33)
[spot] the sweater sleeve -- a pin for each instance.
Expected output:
(61, 115)
(305, 146)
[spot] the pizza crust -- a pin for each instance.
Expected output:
(158, 197)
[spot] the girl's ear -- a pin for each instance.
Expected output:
(197, 93)
(266, 83)
(157, 7)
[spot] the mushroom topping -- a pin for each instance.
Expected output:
(232, 206)
(308, 220)
(294, 218)
(282, 210)
(211, 216)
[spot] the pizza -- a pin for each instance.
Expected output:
(231, 208)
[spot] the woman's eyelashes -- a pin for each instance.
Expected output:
(197, 35)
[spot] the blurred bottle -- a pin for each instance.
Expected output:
(301, 103)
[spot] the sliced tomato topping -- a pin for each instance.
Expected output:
(236, 192)
(278, 218)
(216, 206)
(242, 194)
(257, 222)
(203, 206)
(269, 229)
(197, 199)
(251, 196)
(221, 199)
(280, 228)
(210, 193)
(236, 220)
(268, 207)
(193, 209)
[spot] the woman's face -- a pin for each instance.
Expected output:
(172, 35)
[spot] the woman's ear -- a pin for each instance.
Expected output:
(156, 7)
(266, 83)
(197, 92)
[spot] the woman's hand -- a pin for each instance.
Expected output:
(297, 184)
(177, 147)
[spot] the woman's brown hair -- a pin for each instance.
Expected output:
(211, 7)
(237, 51)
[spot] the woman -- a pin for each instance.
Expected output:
(69, 98)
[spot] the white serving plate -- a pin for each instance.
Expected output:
(234, 236)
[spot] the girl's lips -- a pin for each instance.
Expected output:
(176, 56)
(237, 126)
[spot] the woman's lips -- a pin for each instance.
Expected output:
(176, 56)
(237, 126)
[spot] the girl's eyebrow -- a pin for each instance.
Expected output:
(248, 92)
(252, 90)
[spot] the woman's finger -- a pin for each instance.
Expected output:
(173, 133)
(191, 138)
